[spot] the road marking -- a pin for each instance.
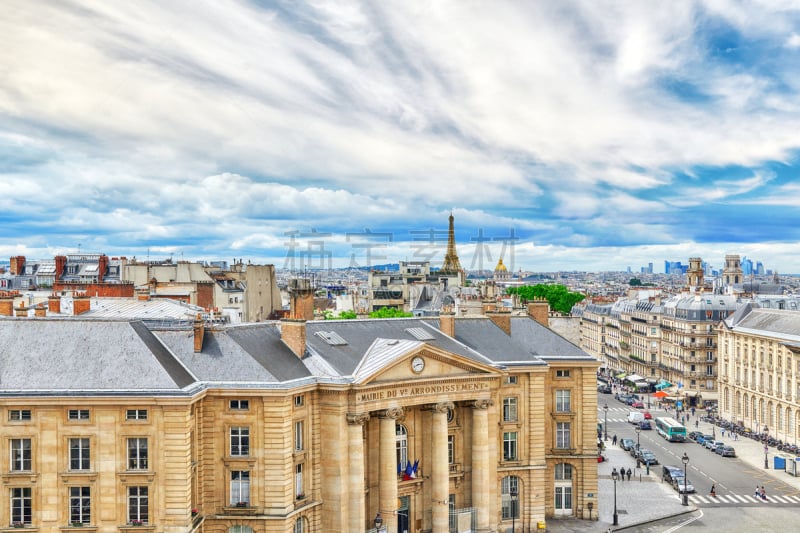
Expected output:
(687, 522)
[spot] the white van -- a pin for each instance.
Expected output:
(634, 417)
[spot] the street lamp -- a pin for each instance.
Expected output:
(766, 446)
(513, 493)
(685, 460)
(615, 476)
(638, 431)
(605, 420)
(378, 522)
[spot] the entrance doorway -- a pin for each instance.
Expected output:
(563, 489)
(402, 515)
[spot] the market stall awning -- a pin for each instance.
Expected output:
(660, 394)
(634, 378)
(621, 375)
(663, 385)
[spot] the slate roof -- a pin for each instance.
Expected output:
(360, 335)
(776, 323)
(70, 355)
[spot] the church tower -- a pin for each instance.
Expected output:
(451, 262)
(732, 273)
(695, 273)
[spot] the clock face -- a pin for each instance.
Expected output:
(417, 364)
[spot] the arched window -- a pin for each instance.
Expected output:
(300, 525)
(401, 437)
(746, 403)
(240, 529)
(510, 506)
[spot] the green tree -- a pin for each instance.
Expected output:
(344, 315)
(389, 312)
(559, 298)
(635, 282)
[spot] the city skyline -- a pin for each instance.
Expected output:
(590, 136)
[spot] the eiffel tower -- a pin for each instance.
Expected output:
(451, 262)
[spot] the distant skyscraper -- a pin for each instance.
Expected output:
(759, 268)
(747, 266)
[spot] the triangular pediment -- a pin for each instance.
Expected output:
(403, 360)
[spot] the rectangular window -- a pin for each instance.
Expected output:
(240, 488)
(138, 505)
(451, 449)
(21, 505)
(240, 405)
(563, 403)
(562, 373)
(240, 441)
(299, 400)
(509, 505)
(78, 414)
(137, 454)
(21, 455)
(80, 505)
(562, 435)
(511, 380)
(510, 446)
(19, 415)
(136, 414)
(510, 409)
(298, 435)
(79, 454)
(298, 481)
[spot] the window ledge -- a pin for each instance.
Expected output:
(136, 476)
(19, 477)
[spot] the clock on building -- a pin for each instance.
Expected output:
(417, 364)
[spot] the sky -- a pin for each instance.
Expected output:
(562, 135)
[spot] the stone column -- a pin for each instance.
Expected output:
(357, 518)
(481, 485)
(440, 469)
(387, 505)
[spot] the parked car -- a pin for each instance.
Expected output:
(649, 457)
(710, 444)
(693, 435)
(645, 424)
(701, 439)
(726, 451)
(668, 472)
(647, 415)
(718, 445)
(637, 404)
(627, 444)
(679, 485)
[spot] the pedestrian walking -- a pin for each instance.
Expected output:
(763, 493)
(622, 475)
(629, 478)
(723, 433)
(614, 440)
(758, 492)
(697, 423)
(713, 490)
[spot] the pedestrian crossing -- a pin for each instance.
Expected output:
(741, 499)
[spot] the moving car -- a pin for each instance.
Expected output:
(627, 444)
(634, 417)
(647, 415)
(645, 424)
(604, 389)
(637, 404)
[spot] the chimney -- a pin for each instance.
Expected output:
(539, 310)
(54, 303)
(61, 263)
(21, 310)
(488, 306)
(81, 303)
(447, 323)
(143, 294)
(102, 266)
(293, 334)
(199, 333)
(6, 303)
(17, 265)
(301, 298)
(501, 319)
(40, 310)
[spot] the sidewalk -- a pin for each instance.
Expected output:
(642, 499)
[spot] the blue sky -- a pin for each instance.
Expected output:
(591, 135)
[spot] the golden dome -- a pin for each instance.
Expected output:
(500, 266)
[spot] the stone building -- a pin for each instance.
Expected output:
(295, 426)
(760, 371)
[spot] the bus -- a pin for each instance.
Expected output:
(671, 429)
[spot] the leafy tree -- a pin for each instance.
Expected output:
(344, 315)
(389, 312)
(635, 282)
(559, 298)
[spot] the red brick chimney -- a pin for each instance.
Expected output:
(61, 263)
(293, 334)
(17, 266)
(40, 310)
(199, 333)
(81, 303)
(22, 310)
(7, 303)
(54, 303)
(102, 265)
(447, 323)
(539, 310)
